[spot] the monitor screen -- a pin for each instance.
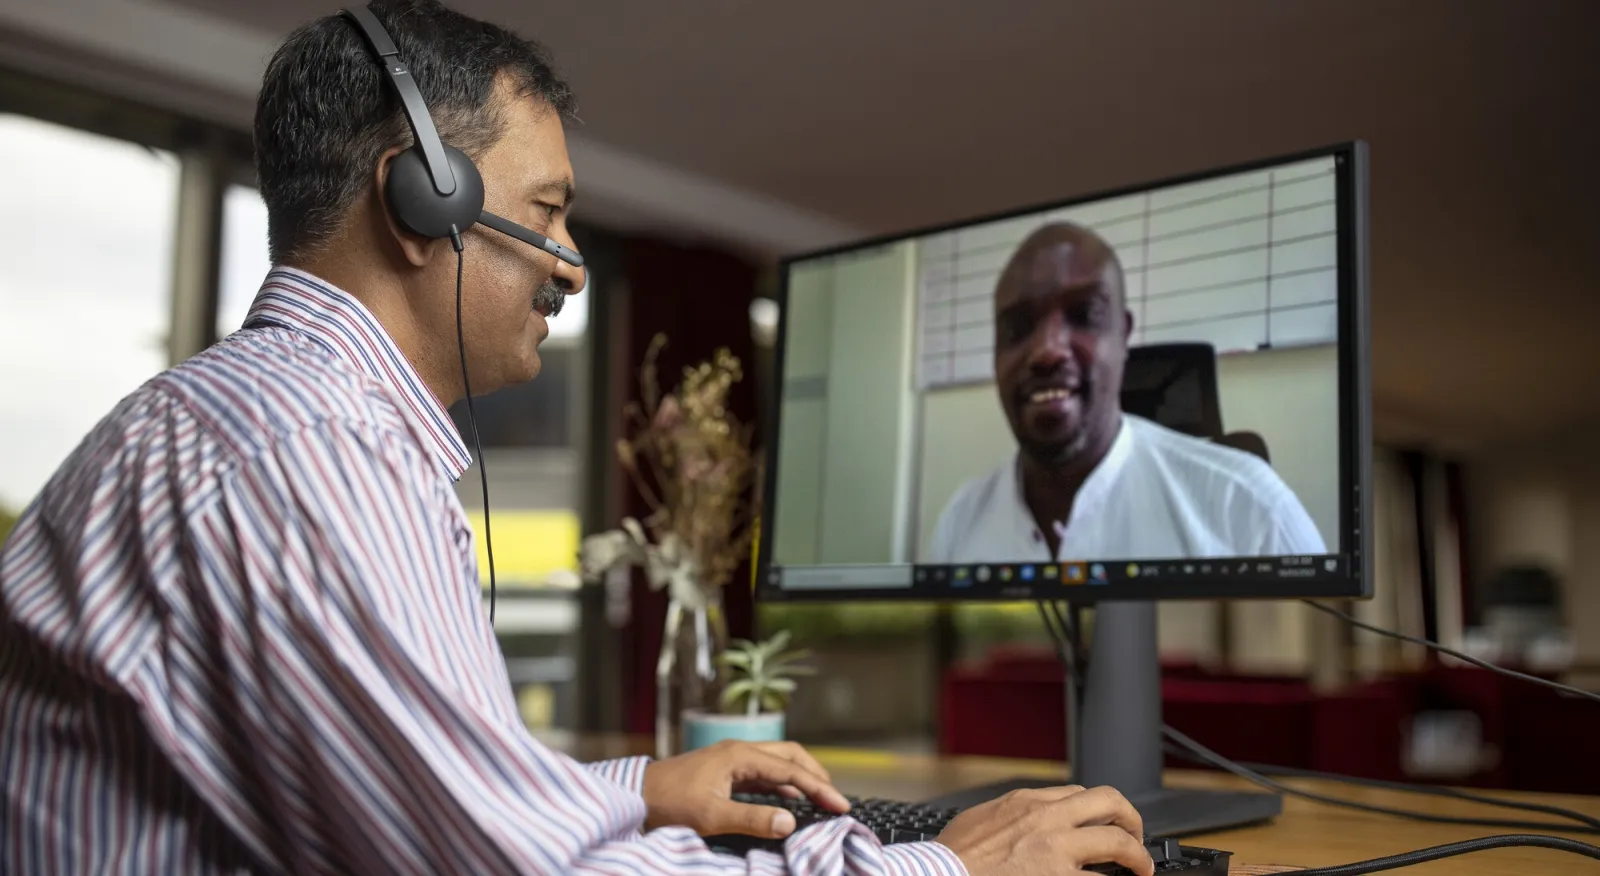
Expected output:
(1158, 392)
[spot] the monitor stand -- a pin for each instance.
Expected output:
(1115, 738)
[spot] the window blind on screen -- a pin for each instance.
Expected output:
(1244, 262)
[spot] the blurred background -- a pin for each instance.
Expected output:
(717, 137)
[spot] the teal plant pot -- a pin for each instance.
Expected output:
(701, 729)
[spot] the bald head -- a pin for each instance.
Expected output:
(1061, 334)
(1057, 256)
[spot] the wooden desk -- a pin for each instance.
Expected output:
(1307, 834)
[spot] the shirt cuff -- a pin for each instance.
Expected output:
(626, 771)
(932, 858)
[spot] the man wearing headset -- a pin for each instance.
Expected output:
(241, 629)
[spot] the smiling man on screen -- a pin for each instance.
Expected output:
(242, 630)
(1089, 481)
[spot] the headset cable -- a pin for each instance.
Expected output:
(472, 418)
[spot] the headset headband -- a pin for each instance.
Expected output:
(415, 108)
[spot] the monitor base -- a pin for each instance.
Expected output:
(1175, 812)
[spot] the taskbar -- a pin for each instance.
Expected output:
(1034, 580)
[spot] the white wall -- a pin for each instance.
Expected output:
(797, 514)
(844, 477)
(1291, 398)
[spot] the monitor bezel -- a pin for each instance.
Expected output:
(1355, 393)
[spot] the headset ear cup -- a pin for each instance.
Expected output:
(419, 208)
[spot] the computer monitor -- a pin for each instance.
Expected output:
(1158, 392)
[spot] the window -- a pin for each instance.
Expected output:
(573, 324)
(1246, 262)
(85, 285)
(244, 255)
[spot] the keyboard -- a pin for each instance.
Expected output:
(895, 821)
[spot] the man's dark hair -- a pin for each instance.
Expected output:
(325, 114)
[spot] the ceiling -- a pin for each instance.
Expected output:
(895, 114)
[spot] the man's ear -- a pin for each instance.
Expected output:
(1127, 323)
(418, 250)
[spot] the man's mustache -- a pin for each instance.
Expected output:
(549, 298)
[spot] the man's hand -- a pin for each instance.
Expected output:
(1049, 831)
(696, 789)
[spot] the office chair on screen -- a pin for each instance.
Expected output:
(1176, 385)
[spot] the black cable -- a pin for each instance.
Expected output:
(1450, 850)
(1074, 628)
(1077, 671)
(1206, 755)
(1221, 762)
(1431, 790)
(1253, 772)
(1068, 627)
(472, 417)
(1056, 636)
(1467, 658)
(1061, 638)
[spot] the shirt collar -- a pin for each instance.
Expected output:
(1096, 488)
(301, 302)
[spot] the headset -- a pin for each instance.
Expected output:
(435, 191)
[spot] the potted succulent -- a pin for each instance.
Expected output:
(754, 701)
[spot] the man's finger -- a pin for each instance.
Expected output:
(1101, 806)
(1106, 844)
(788, 792)
(755, 765)
(1048, 795)
(794, 751)
(726, 816)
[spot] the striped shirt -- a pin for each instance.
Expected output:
(242, 631)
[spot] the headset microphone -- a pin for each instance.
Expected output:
(435, 191)
(532, 238)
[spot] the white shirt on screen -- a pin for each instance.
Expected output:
(1158, 494)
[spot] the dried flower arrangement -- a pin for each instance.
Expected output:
(695, 466)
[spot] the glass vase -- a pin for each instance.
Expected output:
(689, 676)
